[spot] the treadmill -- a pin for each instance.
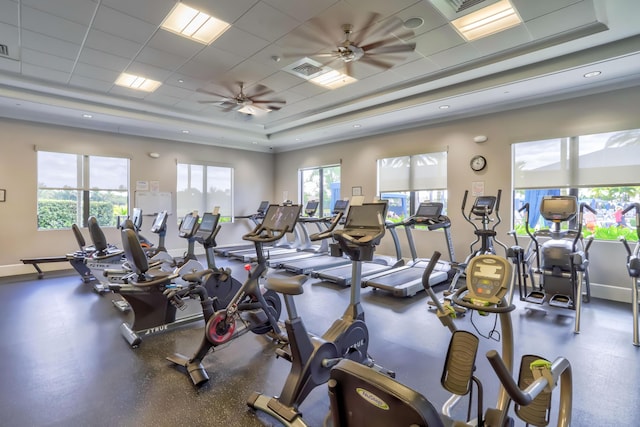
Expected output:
(307, 265)
(256, 218)
(342, 274)
(406, 280)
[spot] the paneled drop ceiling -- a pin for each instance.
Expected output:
(59, 60)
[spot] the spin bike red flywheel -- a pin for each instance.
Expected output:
(218, 330)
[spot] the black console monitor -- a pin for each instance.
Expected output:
(366, 216)
(311, 208)
(340, 206)
(281, 218)
(483, 205)
(264, 205)
(160, 223)
(558, 208)
(428, 210)
(207, 225)
(188, 225)
(137, 218)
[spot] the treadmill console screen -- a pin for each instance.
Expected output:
(311, 208)
(137, 218)
(281, 218)
(429, 210)
(340, 206)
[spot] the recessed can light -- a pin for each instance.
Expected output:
(444, 107)
(413, 23)
(592, 74)
(87, 116)
(357, 126)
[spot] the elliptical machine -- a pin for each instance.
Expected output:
(360, 396)
(633, 267)
(312, 356)
(561, 257)
(258, 311)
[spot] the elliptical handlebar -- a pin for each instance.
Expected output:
(583, 206)
(560, 369)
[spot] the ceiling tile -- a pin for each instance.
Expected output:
(126, 92)
(533, 9)
(98, 73)
(228, 11)
(151, 11)
(438, 40)
(10, 37)
(455, 56)
(10, 12)
(161, 99)
(432, 17)
(217, 60)
(100, 59)
(240, 42)
(44, 73)
(385, 8)
(300, 10)
(119, 24)
(45, 60)
(114, 45)
(78, 11)
(148, 71)
(562, 20)
(158, 58)
(52, 26)
(504, 40)
(175, 44)
(9, 65)
(266, 22)
(88, 83)
(42, 43)
(281, 81)
(248, 71)
(417, 68)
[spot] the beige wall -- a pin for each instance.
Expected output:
(18, 234)
(264, 176)
(592, 114)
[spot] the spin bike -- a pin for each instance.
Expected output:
(312, 356)
(258, 311)
(633, 267)
(561, 257)
(360, 396)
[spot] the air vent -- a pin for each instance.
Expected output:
(305, 68)
(462, 5)
(4, 50)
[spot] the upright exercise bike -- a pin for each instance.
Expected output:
(312, 356)
(258, 311)
(633, 267)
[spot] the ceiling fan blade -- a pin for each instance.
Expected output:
(209, 102)
(392, 26)
(381, 49)
(272, 101)
(274, 108)
(348, 68)
(259, 90)
(366, 28)
(213, 93)
(377, 62)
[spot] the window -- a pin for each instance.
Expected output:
(601, 170)
(408, 180)
(203, 187)
(73, 187)
(321, 184)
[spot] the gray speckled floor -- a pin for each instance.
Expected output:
(64, 362)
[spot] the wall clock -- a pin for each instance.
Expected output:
(478, 163)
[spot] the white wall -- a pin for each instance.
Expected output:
(591, 114)
(18, 173)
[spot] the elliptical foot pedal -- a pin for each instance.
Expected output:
(536, 297)
(562, 301)
(537, 412)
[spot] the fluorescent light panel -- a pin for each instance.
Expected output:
(486, 21)
(333, 79)
(193, 24)
(137, 82)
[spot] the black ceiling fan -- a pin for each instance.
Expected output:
(247, 103)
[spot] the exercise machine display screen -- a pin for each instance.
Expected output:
(429, 210)
(208, 224)
(281, 218)
(188, 224)
(137, 218)
(366, 215)
(340, 206)
(160, 222)
(484, 205)
(311, 208)
(263, 206)
(558, 208)
(487, 278)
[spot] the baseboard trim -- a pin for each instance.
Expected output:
(612, 293)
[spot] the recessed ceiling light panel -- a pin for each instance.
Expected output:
(193, 24)
(137, 82)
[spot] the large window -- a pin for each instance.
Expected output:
(321, 184)
(602, 170)
(73, 187)
(203, 187)
(408, 180)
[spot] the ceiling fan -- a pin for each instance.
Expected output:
(376, 44)
(246, 103)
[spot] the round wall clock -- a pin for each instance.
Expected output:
(478, 163)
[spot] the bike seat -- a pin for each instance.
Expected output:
(287, 285)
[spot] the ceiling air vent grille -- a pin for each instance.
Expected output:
(461, 5)
(305, 68)
(4, 50)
